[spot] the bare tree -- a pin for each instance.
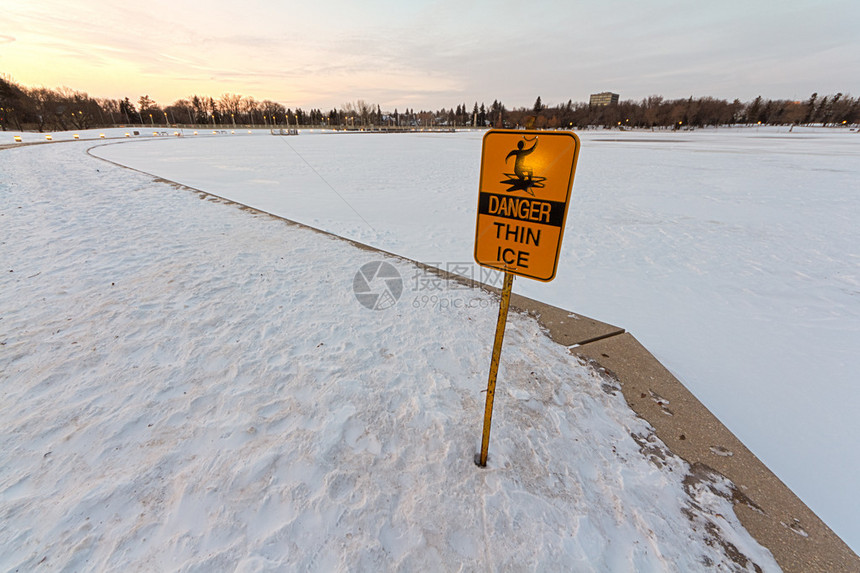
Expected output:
(230, 105)
(272, 112)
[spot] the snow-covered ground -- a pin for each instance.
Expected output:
(732, 254)
(191, 386)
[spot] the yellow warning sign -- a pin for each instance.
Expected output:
(524, 190)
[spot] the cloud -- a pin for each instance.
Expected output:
(434, 53)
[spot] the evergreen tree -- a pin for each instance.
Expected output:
(810, 108)
(127, 110)
(754, 110)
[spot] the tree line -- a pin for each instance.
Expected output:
(64, 109)
(657, 112)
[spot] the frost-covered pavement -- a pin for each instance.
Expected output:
(190, 386)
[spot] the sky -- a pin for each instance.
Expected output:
(426, 54)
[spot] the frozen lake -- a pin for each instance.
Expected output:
(190, 386)
(733, 255)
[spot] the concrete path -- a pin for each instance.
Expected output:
(770, 511)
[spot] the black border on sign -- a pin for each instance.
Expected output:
(566, 198)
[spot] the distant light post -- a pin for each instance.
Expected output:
(152, 121)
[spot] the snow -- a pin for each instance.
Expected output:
(191, 386)
(732, 254)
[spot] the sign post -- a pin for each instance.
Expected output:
(481, 460)
(524, 191)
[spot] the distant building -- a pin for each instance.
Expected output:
(603, 98)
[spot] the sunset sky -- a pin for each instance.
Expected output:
(429, 54)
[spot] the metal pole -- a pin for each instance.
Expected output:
(494, 367)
